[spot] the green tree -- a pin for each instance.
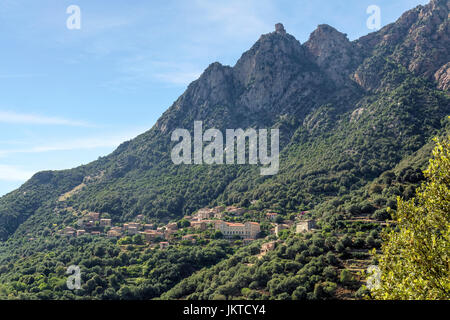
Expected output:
(138, 239)
(414, 261)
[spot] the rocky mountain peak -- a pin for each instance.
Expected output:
(279, 28)
(272, 50)
(332, 51)
(409, 39)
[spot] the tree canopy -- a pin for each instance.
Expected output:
(414, 263)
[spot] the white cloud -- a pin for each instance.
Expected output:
(27, 118)
(14, 173)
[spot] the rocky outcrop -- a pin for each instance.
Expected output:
(278, 75)
(333, 53)
(442, 77)
(418, 40)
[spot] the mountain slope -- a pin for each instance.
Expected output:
(367, 89)
(349, 114)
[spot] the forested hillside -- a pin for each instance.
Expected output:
(356, 121)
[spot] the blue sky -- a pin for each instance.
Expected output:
(70, 96)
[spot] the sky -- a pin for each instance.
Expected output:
(70, 95)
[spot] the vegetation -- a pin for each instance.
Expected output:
(348, 150)
(414, 263)
(108, 271)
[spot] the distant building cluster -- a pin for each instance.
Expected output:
(204, 219)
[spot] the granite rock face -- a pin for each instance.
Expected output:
(278, 75)
(333, 53)
(418, 40)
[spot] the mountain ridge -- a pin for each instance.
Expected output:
(356, 122)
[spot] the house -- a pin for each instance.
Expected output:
(113, 234)
(218, 215)
(85, 223)
(140, 217)
(235, 210)
(198, 225)
(172, 226)
(80, 232)
(94, 216)
(245, 230)
(218, 209)
(305, 226)
(133, 230)
(134, 225)
(149, 226)
(105, 222)
(95, 233)
(163, 245)
(69, 229)
(204, 213)
(150, 235)
(266, 247)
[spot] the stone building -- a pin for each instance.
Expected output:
(266, 247)
(204, 213)
(172, 226)
(150, 235)
(105, 222)
(113, 234)
(305, 226)
(198, 225)
(133, 230)
(245, 230)
(235, 210)
(94, 216)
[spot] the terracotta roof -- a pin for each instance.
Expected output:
(234, 224)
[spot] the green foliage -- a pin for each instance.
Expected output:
(414, 263)
(345, 156)
(107, 271)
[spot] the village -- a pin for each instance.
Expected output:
(191, 228)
